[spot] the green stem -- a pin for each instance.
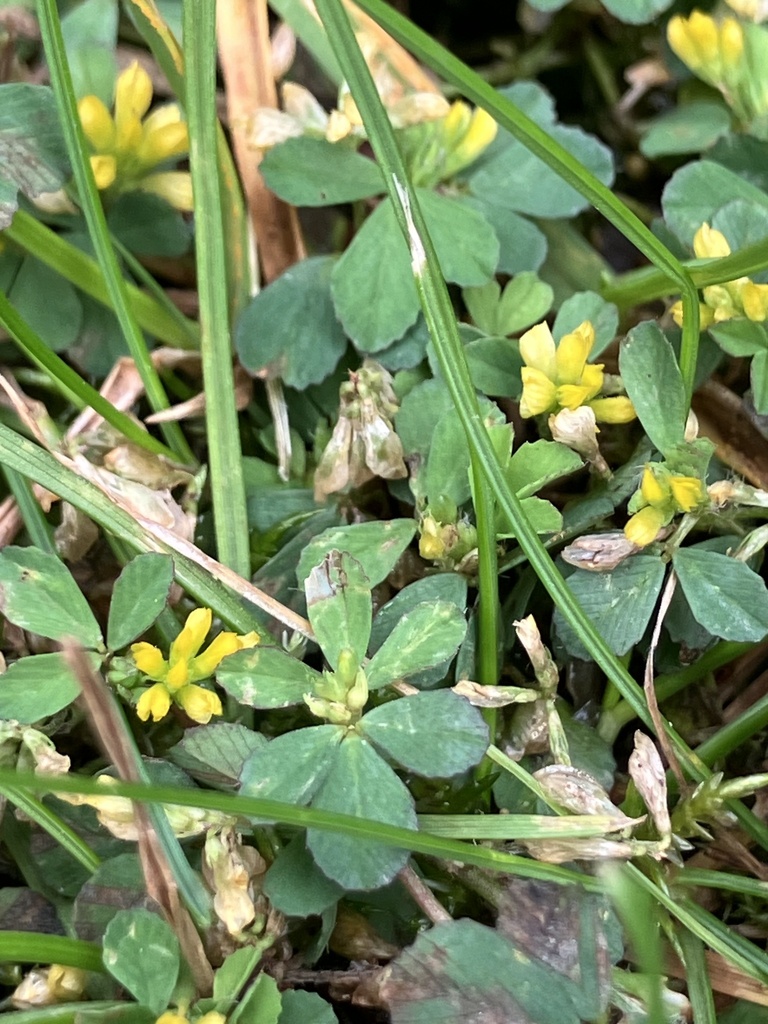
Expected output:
(697, 978)
(613, 720)
(225, 458)
(542, 145)
(735, 733)
(88, 195)
(39, 948)
(488, 588)
(35, 522)
(54, 826)
(648, 283)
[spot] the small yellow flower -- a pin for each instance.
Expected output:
(176, 677)
(559, 377)
(661, 497)
(127, 146)
(466, 133)
(712, 51)
(739, 298)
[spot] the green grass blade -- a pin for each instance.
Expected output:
(38, 948)
(308, 817)
(27, 458)
(88, 195)
(68, 1013)
(84, 272)
(54, 826)
(224, 455)
(697, 978)
(647, 283)
(555, 156)
(35, 523)
(70, 382)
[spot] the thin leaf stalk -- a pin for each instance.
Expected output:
(90, 200)
(225, 456)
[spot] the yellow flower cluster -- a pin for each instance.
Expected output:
(127, 146)
(559, 377)
(731, 299)
(176, 677)
(712, 50)
(661, 497)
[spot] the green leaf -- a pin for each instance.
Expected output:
(59, 319)
(214, 754)
(149, 226)
(540, 513)
(745, 155)
(339, 606)
(513, 178)
(38, 593)
(375, 545)
(301, 1007)
(424, 637)
(447, 470)
(536, 464)
(142, 952)
(619, 603)
(443, 586)
(697, 191)
(522, 246)
(372, 283)
(262, 1002)
(524, 301)
(604, 317)
(725, 596)
(362, 784)
(290, 327)
(653, 381)
(38, 686)
(494, 366)
(689, 128)
(313, 172)
(636, 12)
(758, 377)
(466, 245)
(266, 677)
(740, 337)
(116, 885)
(293, 766)
(435, 734)
(743, 223)
(465, 971)
(90, 36)
(419, 412)
(33, 156)
(295, 885)
(140, 594)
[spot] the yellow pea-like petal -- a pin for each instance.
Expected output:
(200, 704)
(537, 348)
(156, 701)
(687, 491)
(539, 393)
(104, 169)
(654, 491)
(644, 526)
(97, 122)
(175, 187)
(149, 660)
(613, 410)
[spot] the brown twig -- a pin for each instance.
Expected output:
(109, 728)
